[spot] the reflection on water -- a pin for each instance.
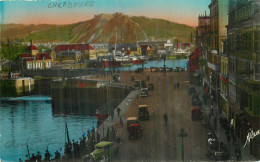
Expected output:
(29, 120)
(156, 63)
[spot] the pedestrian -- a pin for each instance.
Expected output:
(38, 156)
(57, 155)
(33, 158)
(77, 148)
(74, 148)
(137, 97)
(20, 160)
(153, 110)
(93, 131)
(47, 155)
(26, 158)
(88, 135)
(121, 122)
(84, 138)
(118, 111)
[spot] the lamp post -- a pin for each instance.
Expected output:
(181, 135)
(164, 66)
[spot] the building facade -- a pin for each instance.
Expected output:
(244, 66)
(203, 30)
(86, 50)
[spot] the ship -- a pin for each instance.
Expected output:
(136, 60)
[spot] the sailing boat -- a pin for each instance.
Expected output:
(111, 62)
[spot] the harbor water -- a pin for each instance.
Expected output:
(156, 63)
(29, 121)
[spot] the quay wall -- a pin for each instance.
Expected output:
(15, 87)
(82, 97)
(64, 73)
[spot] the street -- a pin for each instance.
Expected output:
(160, 141)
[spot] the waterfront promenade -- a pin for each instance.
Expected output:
(160, 142)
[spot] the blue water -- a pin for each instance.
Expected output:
(157, 63)
(29, 120)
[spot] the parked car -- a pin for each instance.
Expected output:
(137, 84)
(144, 92)
(196, 114)
(103, 151)
(116, 77)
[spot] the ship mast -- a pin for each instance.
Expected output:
(115, 47)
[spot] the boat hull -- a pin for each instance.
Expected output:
(136, 62)
(111, 64)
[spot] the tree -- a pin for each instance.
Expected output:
(15, 50)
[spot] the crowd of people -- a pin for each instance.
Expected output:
(72, 150)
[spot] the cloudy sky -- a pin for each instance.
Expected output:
(45, 11)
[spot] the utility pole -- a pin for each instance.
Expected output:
(9, 69)
(182, 134)
(191, 37)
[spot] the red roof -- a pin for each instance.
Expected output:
(40, 56)
(80, 47)
(31, 47)
(25, 55)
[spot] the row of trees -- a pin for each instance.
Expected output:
(16, 49)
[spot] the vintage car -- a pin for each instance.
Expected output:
(103, 151)
(135, 131)
(196, 114)
(144, 92)
(132, 120)
(143, 112)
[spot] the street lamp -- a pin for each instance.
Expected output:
(164, 66)
(181, 135)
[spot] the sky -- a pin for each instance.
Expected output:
(45, 11)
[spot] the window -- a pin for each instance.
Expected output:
(28, 65)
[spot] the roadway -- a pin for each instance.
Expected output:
(160, 142)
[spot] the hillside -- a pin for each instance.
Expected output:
(164, 29)
(102, 28)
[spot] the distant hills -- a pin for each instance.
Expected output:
(102, 28)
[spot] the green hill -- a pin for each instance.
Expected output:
(102, 28)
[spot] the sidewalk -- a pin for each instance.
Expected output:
(109, 122)
(220, 131)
